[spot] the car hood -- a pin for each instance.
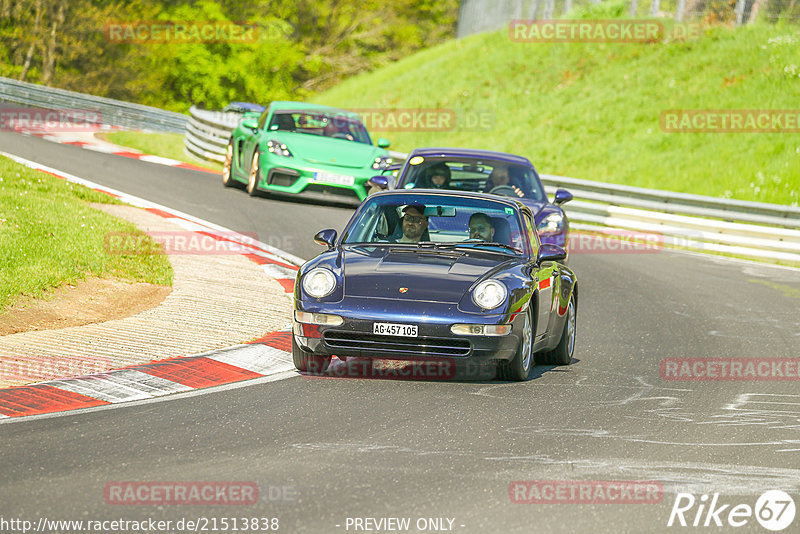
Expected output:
(316, 149)
(414, 274)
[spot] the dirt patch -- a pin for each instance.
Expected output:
(91, 301)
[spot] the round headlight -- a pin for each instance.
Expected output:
(489, 294)
(319, 282)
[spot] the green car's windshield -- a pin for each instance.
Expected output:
(437, 221)
(334, 125)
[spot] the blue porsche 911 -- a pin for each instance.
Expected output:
(437, 275)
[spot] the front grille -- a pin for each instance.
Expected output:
(282, 177)
(428, 346)
(331, 190)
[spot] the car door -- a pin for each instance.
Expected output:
(543, 278)
(250, 141)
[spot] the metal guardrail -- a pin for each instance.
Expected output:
(694, 222)
(111, 112)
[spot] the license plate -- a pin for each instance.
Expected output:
(389, 329)
(330, 178)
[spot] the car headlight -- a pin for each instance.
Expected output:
(319, 282)
(552, 224)
(381, 163)
(276, 147)
(489, 294)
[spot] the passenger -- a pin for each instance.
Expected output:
(436, 176)
(480, 227)
(414, 224)
(501, 175)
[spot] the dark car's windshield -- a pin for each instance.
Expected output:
(472, 174)
(438, 221)
(327, 124)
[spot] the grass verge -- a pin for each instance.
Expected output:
(592, 110)
(50, 236)
(164, 144)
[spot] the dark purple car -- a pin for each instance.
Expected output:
(449, 276)
(485, 171)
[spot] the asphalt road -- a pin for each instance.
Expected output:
(325, 450)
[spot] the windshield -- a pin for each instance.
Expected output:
(439, 221)
(334, 125)
(471, 174)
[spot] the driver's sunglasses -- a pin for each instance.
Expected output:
(414, 219)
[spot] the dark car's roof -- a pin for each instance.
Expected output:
(469, 153)
(451, 193)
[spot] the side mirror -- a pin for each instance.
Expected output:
(250, 123)
(381, 182)
(550, 252)
(562, 196)
(383, 142)
(326, 238)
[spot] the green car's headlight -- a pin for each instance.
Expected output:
(319, 282)
(381, 163)
(489, 294)
(276, 147)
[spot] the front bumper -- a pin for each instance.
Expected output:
(355, 338)
(278, 177)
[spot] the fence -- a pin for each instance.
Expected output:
(112, 112)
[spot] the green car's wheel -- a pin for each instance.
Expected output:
(308, 363)
(520, 366)
(227, 181)
(255, 175)
(562, 354)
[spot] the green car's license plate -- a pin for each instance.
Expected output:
(331, 178)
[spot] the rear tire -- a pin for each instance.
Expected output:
(519, 367)
(308, 363)
(562, 354)
(227, 167)
(255, 175)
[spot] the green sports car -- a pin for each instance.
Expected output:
(294, 147)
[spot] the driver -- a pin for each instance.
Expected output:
(437, 176)
(501, 175)
(414, 223)
(480, 227)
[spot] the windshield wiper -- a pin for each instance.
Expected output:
(436, 245)
(494, 244)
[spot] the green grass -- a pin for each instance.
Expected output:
(50, 235)
(592, 111)
(166, 145)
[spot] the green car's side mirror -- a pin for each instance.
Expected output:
(383, 142)
(250, 123)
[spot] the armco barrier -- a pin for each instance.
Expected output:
(112, 112)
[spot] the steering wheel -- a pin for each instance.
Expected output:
(504, 190)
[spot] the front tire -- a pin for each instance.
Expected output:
(227, 167)
(255, 175)
(562, 354)
(308, 363)
(519, 367)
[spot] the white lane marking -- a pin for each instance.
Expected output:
(278, 272)
(102, 148)
(158, 159)
(129, 385)
(142, 203)
(257, 358)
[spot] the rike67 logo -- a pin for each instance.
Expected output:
(774, 510)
